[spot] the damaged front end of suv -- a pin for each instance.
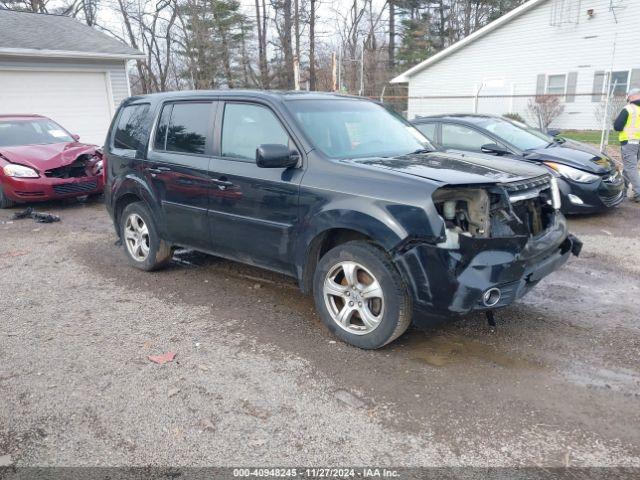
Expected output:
(497, 242)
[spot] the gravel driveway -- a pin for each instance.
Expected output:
(257, 379)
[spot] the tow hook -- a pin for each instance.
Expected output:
(491, 319)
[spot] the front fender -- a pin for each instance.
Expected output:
(385, 223)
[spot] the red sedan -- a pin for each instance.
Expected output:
(40, 160)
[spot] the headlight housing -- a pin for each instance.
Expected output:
(572, 173)
(19, 171)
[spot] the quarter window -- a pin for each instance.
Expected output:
(556, 84)
(428, 130)
(463, 138)
(246, 126)
(131, 131)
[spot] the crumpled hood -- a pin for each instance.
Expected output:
(46, 157)
(456, 168)
(574, 154)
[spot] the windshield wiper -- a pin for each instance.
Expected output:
(556, 141)
(420, 150)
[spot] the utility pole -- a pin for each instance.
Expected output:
(605, 118)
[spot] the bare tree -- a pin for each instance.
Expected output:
(616, 104)
(312, 46)
(261, 21)
(392, 34)
(150, 28)
(545, 109)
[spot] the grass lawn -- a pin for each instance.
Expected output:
(589, 136)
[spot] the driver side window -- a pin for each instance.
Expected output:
(463, 138)
(245, 126)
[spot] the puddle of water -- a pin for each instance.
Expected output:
(442, 350)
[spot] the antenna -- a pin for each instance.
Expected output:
(614, 6)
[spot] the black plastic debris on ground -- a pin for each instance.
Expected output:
(37, 216)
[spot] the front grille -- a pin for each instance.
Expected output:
(29, 194)
(525, 189)
(67, 188)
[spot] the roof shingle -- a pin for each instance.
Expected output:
(33, 32)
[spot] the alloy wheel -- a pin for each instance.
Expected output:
(353, 297)
(136, 237)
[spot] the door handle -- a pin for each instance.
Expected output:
(156, 170)
(222, 183)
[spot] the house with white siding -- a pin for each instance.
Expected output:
(578, 49)
(56, 66)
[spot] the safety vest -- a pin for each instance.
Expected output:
(631, 129)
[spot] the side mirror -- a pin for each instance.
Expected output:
(269, 155)
(554, 132)
(494, 148)
(76, 137)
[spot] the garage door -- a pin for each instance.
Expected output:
(77, 101)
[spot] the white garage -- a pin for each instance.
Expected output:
(77, 76)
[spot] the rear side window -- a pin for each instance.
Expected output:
(131, 130)
(428, 130)
(183, 127)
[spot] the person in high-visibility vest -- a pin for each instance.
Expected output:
(628, 124)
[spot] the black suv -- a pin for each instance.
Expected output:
(338, 192)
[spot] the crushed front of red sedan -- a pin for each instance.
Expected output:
(37, 172)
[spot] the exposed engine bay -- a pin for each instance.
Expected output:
(519, 209)
(86, 165)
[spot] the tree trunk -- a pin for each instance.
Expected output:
(296, 20)
(312, 46)
(262, 45)
(287, 47)
(392, 34)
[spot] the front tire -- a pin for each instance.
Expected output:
(142, 243)
(360, 295)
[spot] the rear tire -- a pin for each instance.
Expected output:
(361, 296)
(142, 243)
(4, 201)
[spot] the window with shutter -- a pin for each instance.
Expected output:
(619, 83)
(634, 78)
(540, 82)
(556, 84)
(572, 81)
(598, 86)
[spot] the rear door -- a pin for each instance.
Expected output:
(253, 211)
(178, 169)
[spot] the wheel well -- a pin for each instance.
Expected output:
(322, 244)
(122, 203)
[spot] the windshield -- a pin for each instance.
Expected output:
(521, 137)
(31, 132)
(350, 128)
